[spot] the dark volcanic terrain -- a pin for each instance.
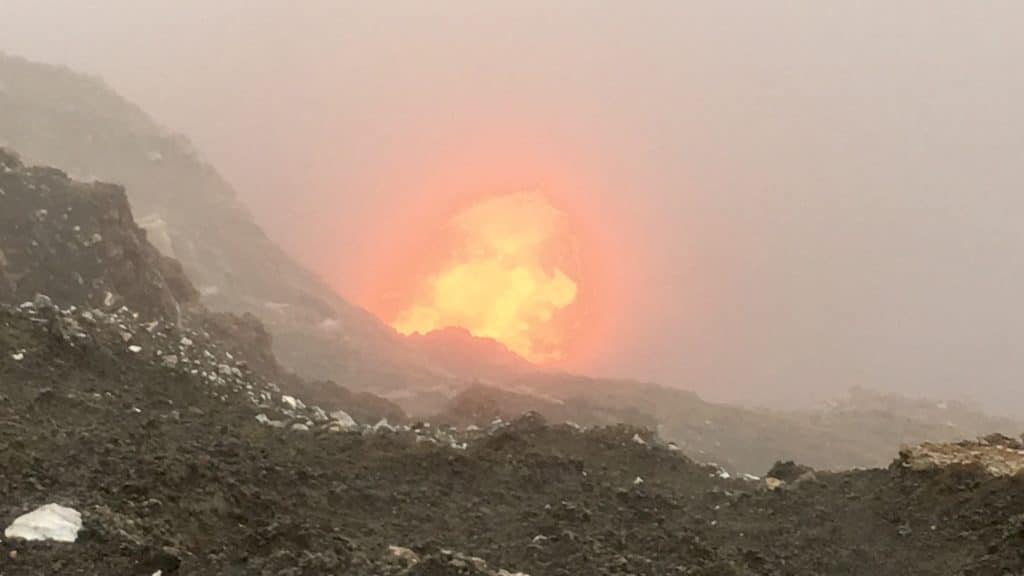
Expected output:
(192, 474)
(187, 449)
(290, 320)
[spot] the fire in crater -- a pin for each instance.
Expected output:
(507, 276)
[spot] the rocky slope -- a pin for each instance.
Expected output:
(79, 242)
(185, 448)
(862, 430)
(215, 472)
(58, 117)
(76, 244)
(459, 354)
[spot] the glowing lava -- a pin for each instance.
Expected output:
(504, 277)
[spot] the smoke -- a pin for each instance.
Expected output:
(502, 278)
(782, 202)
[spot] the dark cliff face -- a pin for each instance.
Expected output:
(78, 243)
(54, 116)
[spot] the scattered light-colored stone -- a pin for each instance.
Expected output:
(995, 459)
(49, 522)
(343, 419)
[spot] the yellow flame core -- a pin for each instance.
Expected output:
(497, 284)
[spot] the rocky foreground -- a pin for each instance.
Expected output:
(141, 434)
(198, 466)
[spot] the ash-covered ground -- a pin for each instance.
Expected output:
(217, 472)
(186, 449)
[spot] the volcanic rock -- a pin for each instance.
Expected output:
(788, 471)
(49, 522)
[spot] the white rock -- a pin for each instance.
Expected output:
(19, 356)
(300, 427)
(263, 419)
(638, 440)
(292, 402)
(318, 414)
(638, 481)
(135, 348)
(383, 425)
(343, 419)
(406, 555)
(49, 522)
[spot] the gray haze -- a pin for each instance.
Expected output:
(813, 195)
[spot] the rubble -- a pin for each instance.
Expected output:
(788, 471)
(200, 465)
(342, 419)
(995, 455)
(403, 555)
(214, 467)
(444, 561)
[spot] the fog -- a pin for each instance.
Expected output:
(794, 197)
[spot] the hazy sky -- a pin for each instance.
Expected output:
(805, 195)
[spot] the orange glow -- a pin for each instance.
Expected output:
(506, 277)
(387, 267)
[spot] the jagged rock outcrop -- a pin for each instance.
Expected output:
(68, 243)
(458, 353)
(215, 472)
(996, 454)
(78, 243)
(57, 117)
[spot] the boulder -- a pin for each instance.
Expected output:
(49, 522)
